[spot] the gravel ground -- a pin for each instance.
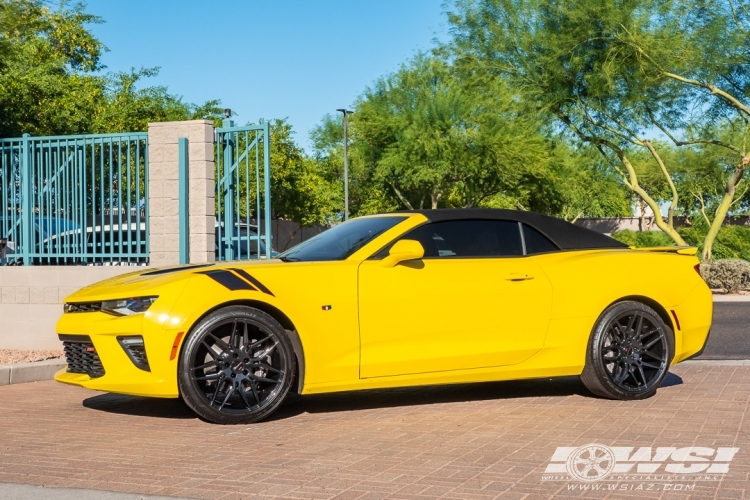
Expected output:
(12, 356)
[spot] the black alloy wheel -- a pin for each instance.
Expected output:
(237, 366)
(629, 352)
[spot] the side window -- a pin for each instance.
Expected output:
(536, 242)
(468, 238)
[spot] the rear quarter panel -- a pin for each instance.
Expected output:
(585, 283)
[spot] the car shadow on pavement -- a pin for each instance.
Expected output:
(440, 394)
(671, 379)
(139, 406)
(366, 399)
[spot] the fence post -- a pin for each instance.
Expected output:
(184, 201)
(229, 229)
(267, 186)
(27, 212)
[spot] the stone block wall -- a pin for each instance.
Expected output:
(31, 299)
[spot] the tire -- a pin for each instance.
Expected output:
(236, 367)
(629, 352)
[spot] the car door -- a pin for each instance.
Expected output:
(474, 300)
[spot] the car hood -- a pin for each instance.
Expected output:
(149, 280)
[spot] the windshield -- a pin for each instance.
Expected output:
(340, 241)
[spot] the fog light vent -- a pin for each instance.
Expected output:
(136, 351)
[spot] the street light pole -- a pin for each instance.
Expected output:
(346, 112)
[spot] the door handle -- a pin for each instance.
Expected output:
(519, 277)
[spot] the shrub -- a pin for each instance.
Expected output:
(643, 239)
(732, 242)
(731, 275)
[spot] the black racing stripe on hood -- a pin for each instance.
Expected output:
(228, 279)
(254, 281)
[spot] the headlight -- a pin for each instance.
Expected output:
(126, 307)
(82, 307)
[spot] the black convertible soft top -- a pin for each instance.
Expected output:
(565, 235)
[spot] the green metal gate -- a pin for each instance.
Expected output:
(75, 199)
(243, 192)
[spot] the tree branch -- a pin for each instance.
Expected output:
(400, 196)
(692, 141)
(675, 198)
(730, 99)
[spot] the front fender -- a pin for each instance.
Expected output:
(316, 303)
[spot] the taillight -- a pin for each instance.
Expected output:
(697, 268)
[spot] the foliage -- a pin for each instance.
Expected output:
(580, 185)
(643, 239)
(437, 141)
(613, 72)
(366, 194)
(732, 242)
(49, 80)
(125, 107)
(730, 275)
(300, 191)
(430, 135)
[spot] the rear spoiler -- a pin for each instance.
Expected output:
(679, 250)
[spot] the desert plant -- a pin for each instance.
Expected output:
(731, 275)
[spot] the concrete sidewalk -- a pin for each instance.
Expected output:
(731, 298)
(10, 491)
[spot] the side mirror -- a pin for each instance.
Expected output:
(402, 251)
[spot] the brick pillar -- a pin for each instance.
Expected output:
(163, 184)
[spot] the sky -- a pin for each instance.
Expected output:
(290, 59)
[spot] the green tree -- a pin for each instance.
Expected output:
(300, 190)
(433, 135)
(367, 195)
(613, 72)
(46, 60)
(50, 82)
(437, 140)
(433, 140)
(124, 107)
(580, 185)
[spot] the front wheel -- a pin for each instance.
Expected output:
(629, 352)
(237, 366)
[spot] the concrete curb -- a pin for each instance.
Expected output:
(731, 298)
(30, 372)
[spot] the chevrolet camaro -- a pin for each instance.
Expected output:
(401, 299)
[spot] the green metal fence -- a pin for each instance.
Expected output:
(243, 192)
(75, 199)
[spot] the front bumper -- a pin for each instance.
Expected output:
(119, 372)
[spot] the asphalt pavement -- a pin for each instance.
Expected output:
(730, 332)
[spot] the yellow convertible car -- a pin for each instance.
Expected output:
(399, 299)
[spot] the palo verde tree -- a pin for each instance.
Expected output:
(613, 73)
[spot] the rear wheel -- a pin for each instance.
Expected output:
(629, 352)
(237, 366)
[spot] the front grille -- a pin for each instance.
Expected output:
(81, 355)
